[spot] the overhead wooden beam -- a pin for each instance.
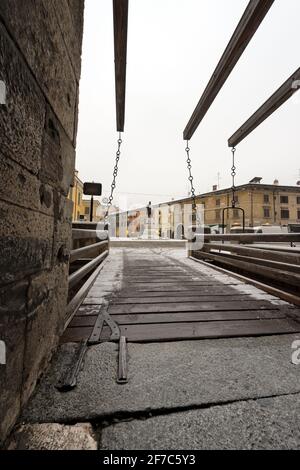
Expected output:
(269, 107)
(120, 9)
(247, 27)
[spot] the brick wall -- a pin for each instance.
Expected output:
(40, 61)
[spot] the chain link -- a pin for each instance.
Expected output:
(115, 174)
(233, 174)
(191, 180)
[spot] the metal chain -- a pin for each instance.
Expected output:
(233, 174)
(115, 174)
(191, 180)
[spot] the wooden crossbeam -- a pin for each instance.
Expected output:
(267, 109)
(247, 27)
(120, 9)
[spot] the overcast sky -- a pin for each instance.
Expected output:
(173, 48)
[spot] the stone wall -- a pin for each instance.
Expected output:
(40, 61)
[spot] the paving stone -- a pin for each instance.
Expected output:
(54, 437)
(264, 424)
(169, 376)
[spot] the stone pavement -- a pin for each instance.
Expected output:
(239, 393)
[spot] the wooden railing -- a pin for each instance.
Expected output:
(90, 247)
(271, 257)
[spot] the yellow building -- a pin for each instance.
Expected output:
(263, 204)
(76, 195)
(81, 207)
(97, 213)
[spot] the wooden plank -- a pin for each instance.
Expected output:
(81, 234)
(281, 294)
(122, 366)
(283, 277)
(246, 28)
(201, 282)
(89, 250)
(79, 297)
(186, 317)
(187, 331)
(272, 255)
(76, 335)
(83, 320)
(255, 237)
(158, 279)
(120, 11)
(286, 91)
(276, 265)
(179, 288)
(279, 248)
(165, 280)
(192, 307)
(77, 276)
(86, 310)
(211, 291)
(195, 298)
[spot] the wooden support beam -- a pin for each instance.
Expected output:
(86, 251)
(269, 107)
(120, 8)
(77, 276)
(247, 27)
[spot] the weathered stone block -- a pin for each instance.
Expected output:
(22, 117)
(61, 273)
(26, 242)
(70, 18)
(36, 30)
(62, 229)
(58, 158)
(13, 299)
(41, 341)
(77, 12)
(22, 187)
(20, 257)
(12, 332)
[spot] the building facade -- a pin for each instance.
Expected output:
(264, 204)
(81, 206)
(76, 196)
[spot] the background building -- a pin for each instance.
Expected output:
(264, 204)
(81, 205)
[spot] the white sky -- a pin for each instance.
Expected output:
(173, 48)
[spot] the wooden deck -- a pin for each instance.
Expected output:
(163, 299)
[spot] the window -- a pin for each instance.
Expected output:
(78, 198)
(298, 200)
(267, 213)
(86, 210)
(218, 202)
(284, 199)
(285, 214)
(236, 214)
(298, 214)
(266, 199)
(218, 214)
